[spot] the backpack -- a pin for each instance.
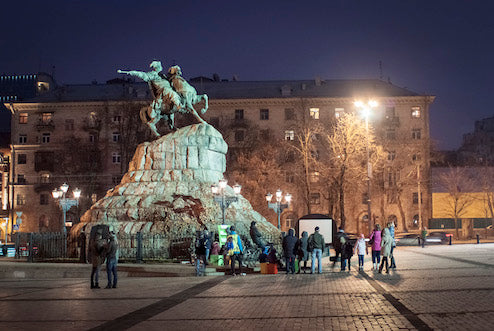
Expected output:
(310, 243)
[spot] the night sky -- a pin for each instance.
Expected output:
(443, 48)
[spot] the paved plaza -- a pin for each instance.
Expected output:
(438, 287)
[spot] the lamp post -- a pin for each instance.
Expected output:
(366, 108)
(66, 203)
(221, 198)
(277, 206)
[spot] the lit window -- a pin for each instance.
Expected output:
(338, 112)
(416, 112)
(289, 223)
(264, 114)
(416, 134)
(239, 114)
(21, 159)
(314, 113)
(289, 135)
(314, 177)
(315, 198)
(23, 118)
(45, 138)
(46, 118)
(290, 114)
(116, 137)
(239, 135)
(391, 155)
(116, 179)
(69, 125)
(116, 158)
(45, 179)
(22, 139)
(21, 199)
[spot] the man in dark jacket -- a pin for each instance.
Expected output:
(340, 240)
(303, 251)
(200, 254)
(257, 236)
(289, 244)
(112, 260)
(316, 245)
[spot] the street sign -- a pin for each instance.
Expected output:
(15, 227)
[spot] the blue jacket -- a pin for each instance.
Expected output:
(239, 242)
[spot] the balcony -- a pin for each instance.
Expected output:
(45, 125)
(43, 186)
(91, 125)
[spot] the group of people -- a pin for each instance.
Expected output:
(232, 251)
(100, 250)
(382, 243)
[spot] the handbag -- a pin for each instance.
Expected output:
(371, 241)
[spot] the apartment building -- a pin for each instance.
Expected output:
(97, 121)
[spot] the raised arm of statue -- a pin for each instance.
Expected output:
(139, 74)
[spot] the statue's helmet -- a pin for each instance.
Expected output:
(156, 66)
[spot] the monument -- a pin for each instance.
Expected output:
(167, 188)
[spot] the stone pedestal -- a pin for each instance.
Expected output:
(167, 189)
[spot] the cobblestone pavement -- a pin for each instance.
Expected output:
(437, 287)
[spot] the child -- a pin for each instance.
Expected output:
(360, 248)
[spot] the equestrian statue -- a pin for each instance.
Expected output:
(171, 94)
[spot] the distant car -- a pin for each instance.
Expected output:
(407, 240)
(440, 238)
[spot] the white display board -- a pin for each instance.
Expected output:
(325, 228)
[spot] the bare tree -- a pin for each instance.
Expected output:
(347, 153)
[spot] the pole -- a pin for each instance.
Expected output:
(419, 196)
(223, 208)
(278, 211)
(369, 210)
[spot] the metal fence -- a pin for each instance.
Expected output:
(137, 247)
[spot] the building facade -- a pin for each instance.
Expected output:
(100, 121)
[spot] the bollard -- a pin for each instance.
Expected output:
(450, 237)
(478, 239)
(139, 247)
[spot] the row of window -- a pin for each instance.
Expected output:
(46, 138)
(47, 118)
(290, 114)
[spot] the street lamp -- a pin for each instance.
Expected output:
(277, 206)
(221, 198)
(66, 203)
(366, 109)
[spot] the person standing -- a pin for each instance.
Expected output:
(112, 260)
(424, 235)
(208, 242)
(361, 249)
(302, 249)
(97, 255)
(375, 240)
(200, 254)
(338, 246)
(238, 250)
(289, 244)
(316, 244)
(391, 227)
(81, 241)
(344, 249)
(386, 243)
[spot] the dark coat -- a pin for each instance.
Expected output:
(256, 235)
(289, 244)
(302, 245)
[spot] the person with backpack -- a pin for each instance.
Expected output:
(346, 250)
(236, 251)
(375, 242)
(289, 250)
(200, 254)
(303, 251)
(316, 245)
(338, 247)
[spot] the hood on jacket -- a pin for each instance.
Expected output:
(291, 233)
(305, 234)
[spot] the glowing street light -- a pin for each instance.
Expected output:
(277, 206)
(366, 110)
(221, 198)
(66, 203)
